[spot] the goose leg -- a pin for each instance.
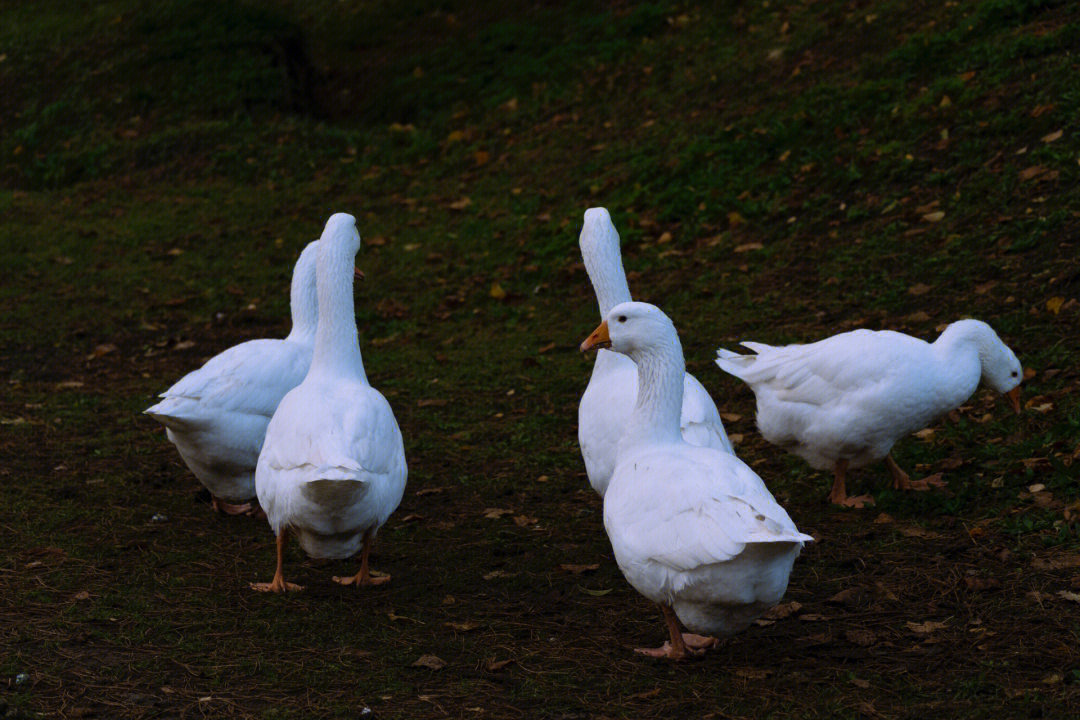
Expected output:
(278, 584)
(903, 481)
(231, 508)
(680, 645)
(838, 495)
(365, 576)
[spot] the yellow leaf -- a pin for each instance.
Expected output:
(1054, 304)
(748, 246)
(461, 204)
(1056, 135)
(936, 216)
(497, 291)
(455, 136)
(735, 219)
(481, 157)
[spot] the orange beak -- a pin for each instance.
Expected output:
(599, 338)
(1014, 399)
(358, 273)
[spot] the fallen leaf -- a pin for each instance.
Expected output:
(925, 434)
(493, 665)
(497, 291)
(926, 627)
(429, 491)
(496, 513)
(431, 662)
(844, 597)
(462, 626)
(81, 595)
(747, 247)
(1054, 304)
(783, 610)
(1071, 596)
(978, 583)
(595, 593)
(1032, 172)
(753, 673)
(919, 289)
(546, 348)
(1051, 137)
(481, 157)
(524, 520)
(100, 350)
(918, 532)
(579, 569)
(184, 345)
(496, 574)
(860, 637)
(730, 417)
(813, 617)
(859, 683)
(461, 204)
(665, 237)
(936, 216)
(884, 518)
(431, 402)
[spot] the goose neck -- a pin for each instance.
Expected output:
(658, 410)
(337, 347)
(603, 263)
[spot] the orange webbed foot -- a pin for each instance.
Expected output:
(373, 578)
(276, 585)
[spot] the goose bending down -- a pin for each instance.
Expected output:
(843, 402)
(217, 415)
(609, 398)
(332, 467)
(693, 529)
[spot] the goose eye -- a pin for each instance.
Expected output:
(622, 318)
(1014, 373)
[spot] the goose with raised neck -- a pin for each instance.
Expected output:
(216, 416)
(693, 529)
(843, 402)
(611, 395)
(332, 468)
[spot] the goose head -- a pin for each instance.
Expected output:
(1001, 370)
(633, 328)
(599, 242)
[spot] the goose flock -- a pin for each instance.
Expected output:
(291, 430)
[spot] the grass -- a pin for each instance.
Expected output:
(899, 165)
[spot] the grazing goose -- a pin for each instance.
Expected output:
(609, 398)
(843, 402)
(217, 415)
(693, 529)
(332, 468)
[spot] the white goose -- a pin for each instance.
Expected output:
(332, 468)
(609, 398)
(693, 529)
(217, 415)
(843, 402)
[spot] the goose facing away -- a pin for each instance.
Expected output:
(609, 398)
(332, 468)
(693, 529)
(216, 416)
(843, 402)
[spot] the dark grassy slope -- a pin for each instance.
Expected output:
(777, 171)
